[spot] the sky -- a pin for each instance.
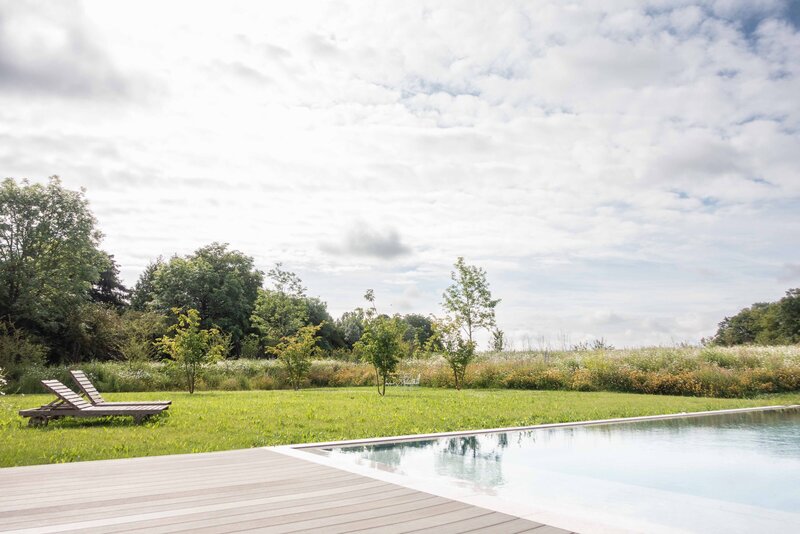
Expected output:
(625, 170)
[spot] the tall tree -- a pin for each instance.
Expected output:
(49, 256)
(469, 299)
(282, 311)
(109, 289)
(221, 284)
(144, 292)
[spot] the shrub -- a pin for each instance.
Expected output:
(19, 352)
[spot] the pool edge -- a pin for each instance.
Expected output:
(412, 437)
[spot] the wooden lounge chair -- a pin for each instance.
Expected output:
(94, 397)
(70, 404)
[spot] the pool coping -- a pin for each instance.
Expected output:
(468, 495)
(434, 435)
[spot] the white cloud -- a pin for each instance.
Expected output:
(544, 142)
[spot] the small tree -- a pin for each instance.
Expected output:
(498, 340)
(469, 298)
(457, 351)
(191, 347)
(295, 353)
(381, 345)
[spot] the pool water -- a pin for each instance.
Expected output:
(735, 472)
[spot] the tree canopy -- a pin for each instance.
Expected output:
(221, 284)
(763, 323)
(469, 299)
(49, 255)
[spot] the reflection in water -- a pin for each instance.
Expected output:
(462, 458)
(750, 458)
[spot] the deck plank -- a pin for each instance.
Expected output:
(232, 491)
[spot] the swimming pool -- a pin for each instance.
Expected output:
(729, 472)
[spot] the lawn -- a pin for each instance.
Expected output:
(213, 420)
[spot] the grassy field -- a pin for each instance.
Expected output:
(213, 420)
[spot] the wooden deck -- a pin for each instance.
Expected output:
(234, 491)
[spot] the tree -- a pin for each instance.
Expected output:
(419, 330)
(281, 312)
(469, 298)
(108, 289)
(457, 351)
(192, 348)
(286, 282)
(221, 284)
(3, 381)
(19, 351)
(92, 331)
(143, 294)
(49, 256)
(789, 316)
(763, 323)
(351, 325)
(277, 315)
(498, 340)
(329, 336)
(295, 353)
(140, 330)
(381, 345)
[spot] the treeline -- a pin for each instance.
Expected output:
(62, 301)
(763, 323)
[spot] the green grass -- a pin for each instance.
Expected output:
(212, 421)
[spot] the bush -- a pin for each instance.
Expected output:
(19, 352)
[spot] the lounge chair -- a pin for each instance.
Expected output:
(70, 404)
(94, 397)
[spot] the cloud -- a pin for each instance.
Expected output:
(587, 154)
(364, 241)
(790, 272)
(49, 49)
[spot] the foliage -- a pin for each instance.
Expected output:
(49, 255)
(419, 329)
(498, 340)
(19, 352)
(763, 323)
(330, 338)
(469, 298)
(277, 315)
(92, 331)
(143, 294)
(286, 282)
(457, 351)
(281, 312)
(251, 347)
(108, 289)
(381, 346)
(295, 353)
(140, 331)
(191, 347)
(718, 371)
(211, 421)
(351, 326)
(221, 284)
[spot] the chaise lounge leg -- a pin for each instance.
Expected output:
(37, 420)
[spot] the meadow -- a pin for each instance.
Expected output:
(730, 372)
(223, 420)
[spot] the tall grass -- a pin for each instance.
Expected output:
(710, 372)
